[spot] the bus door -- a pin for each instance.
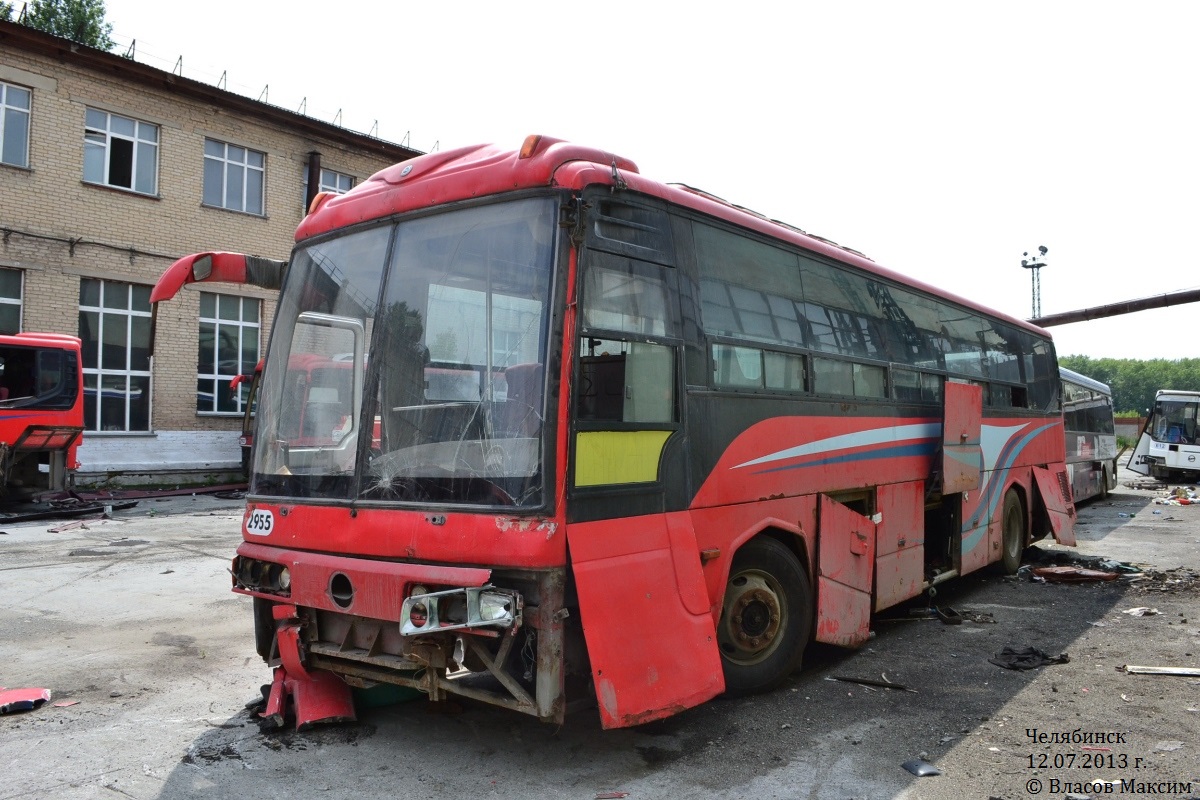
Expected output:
(647, 618)
(1138, 459)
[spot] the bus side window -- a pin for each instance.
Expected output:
(625, 382)
(601, 386)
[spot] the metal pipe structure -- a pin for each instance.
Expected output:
(1123, 307)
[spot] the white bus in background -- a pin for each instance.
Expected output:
(1091, 435)
(1168, 446)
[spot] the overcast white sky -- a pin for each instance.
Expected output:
(942, 139)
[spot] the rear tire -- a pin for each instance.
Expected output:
(1104, 486)
(766, 618)
(1013, 531)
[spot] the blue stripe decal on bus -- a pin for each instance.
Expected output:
(1008, 456)
(899, 451)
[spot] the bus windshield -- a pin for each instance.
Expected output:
(429, 341)
(1175, 420)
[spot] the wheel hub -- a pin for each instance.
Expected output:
(752, 619)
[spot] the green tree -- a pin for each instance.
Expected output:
(78, 20)
(1134, 382)
(6, 10)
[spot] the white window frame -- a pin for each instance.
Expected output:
(243, 329)
(13, 114)
(336, 182)
(331, 181)
(230, 161)
(103, 133)
(17, 301)
(94, 377)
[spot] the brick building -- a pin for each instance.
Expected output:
(109, 171)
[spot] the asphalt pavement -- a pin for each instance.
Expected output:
(150, 659)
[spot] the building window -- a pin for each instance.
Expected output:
(120, 152)
(14, 125)
(334, 182)
(10, 300)
(114, 324)
(228, 347)
(233, 177)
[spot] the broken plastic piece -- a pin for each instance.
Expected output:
(1065, 574)
(1141, 611)
(21, 699)
(922, 769)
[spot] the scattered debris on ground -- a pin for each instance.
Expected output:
(12, 700)
(922, 769)
(1179, 496)
(1070, 574)
(883, 684)
(1145, 483)
(1025, 658)
(1170, 581)
(1189, 672)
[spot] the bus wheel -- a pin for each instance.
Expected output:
(766, 617)
(1013, 529)
(1104, 483)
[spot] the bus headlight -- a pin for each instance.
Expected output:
(454, 609)
(261, 576)
(495, 607)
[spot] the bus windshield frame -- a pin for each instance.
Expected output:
(458, 305)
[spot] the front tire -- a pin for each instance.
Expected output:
(766, 617)
(1014, 533)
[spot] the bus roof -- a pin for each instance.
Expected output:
(1084, 380)
(477, 171)
(60, 341)
(1182, 394)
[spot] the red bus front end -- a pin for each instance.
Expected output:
(41, 411)
(402, 525)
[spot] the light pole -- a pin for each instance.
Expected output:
(1035, 263)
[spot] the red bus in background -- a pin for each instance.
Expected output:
(41, 412)
(616, 439)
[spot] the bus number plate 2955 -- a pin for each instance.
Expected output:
(261, 522)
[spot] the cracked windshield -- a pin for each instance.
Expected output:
(434, 393)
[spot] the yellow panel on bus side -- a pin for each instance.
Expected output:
(606, 458)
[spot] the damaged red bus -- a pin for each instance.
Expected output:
(616, 439)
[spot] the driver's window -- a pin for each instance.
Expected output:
(625, 381)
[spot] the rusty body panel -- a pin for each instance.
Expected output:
(962, 456)
(1054, 490)
(846, 559)
(900, 543)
